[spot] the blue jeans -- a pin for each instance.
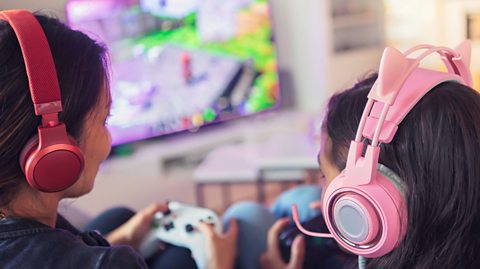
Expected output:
(254, 221)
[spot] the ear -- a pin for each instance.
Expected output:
(465, 50)
(395, 67)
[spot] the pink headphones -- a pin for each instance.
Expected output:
(51, 160)
(364, 207)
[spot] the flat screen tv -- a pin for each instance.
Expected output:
(181, 64)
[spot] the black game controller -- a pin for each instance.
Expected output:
(320, 253)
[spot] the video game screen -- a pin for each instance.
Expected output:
(180, 64)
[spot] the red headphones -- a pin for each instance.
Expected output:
(51, 160)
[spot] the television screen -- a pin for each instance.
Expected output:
(180, 64)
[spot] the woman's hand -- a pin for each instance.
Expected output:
(272, 258)
(136, 228)
(221, 249)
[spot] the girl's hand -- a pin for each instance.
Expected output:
(221, 249)
(272, 258)
(136, 228)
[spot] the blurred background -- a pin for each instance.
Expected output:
(216, 101)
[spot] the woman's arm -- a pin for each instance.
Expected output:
(272, 258)
(221, 249)
(136, 228)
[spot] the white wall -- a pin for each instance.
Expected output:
(455, 29)
(409, 22)
(439, 22)
(300, 27)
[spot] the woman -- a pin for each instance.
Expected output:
(32, 235)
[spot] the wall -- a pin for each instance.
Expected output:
(411, 21)
(455, 30)
(300, 28)
(439, 22)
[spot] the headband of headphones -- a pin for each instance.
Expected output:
(51, 160)
(400, 85)
(42, 76)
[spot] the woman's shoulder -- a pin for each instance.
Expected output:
(28, 244)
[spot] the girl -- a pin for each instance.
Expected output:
(435, 153)
(32, 235)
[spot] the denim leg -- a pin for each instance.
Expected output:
(109, 220)
(301, 195)
(254, 221)
(172, 258)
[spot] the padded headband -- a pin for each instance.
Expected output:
(399, 87)
(399, 72)
(42, 76)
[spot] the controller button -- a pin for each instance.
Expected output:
(169, 226)
(189, 228)
(168, 212)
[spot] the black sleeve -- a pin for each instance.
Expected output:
(122, 257)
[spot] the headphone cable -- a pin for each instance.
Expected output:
(362, 262)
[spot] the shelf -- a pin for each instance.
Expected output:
(354, 20)
(357, 47)
(344, 55)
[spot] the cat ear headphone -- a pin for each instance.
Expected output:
(51, 160)
(364, 207)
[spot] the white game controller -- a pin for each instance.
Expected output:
(178, 227)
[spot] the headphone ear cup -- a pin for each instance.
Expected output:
(53, 168)
(27, 150)
(367, 220)
(356, 219)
